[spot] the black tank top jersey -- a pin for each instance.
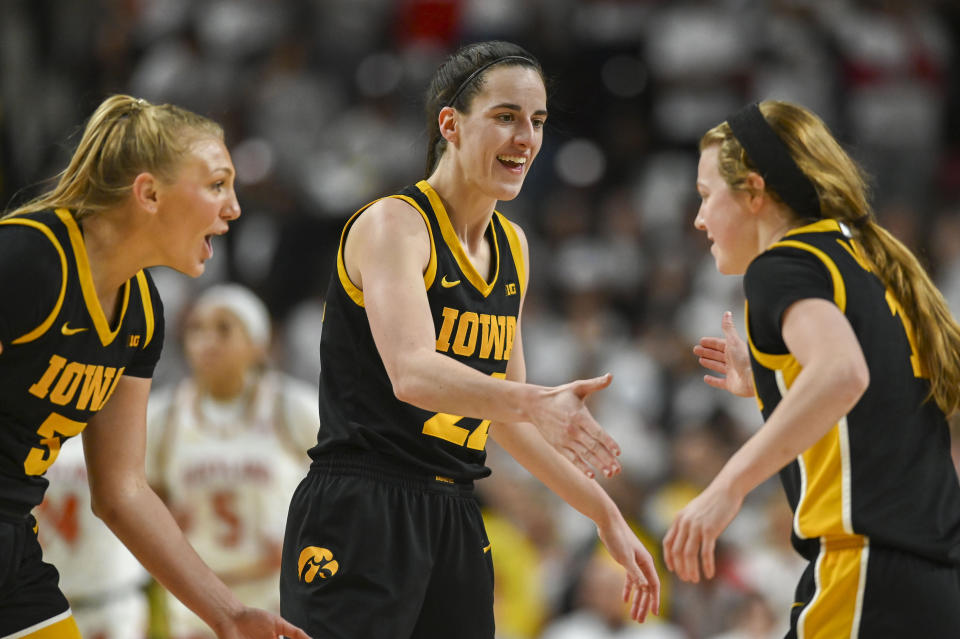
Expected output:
(475, 323)
(61, 360)
(883, 471)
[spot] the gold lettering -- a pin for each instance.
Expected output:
(511, 332)
(67, 385)
(897, 309)
(116, 380)
(42, 386)
(492, 335)
(449, 317)
(464, 344)
(94, 386)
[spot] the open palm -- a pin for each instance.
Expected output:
(729, 357)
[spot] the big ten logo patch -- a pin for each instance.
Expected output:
(316, 561)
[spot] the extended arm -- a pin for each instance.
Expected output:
(525, 444)
(114, 444)
(834, 376)
(386, 253)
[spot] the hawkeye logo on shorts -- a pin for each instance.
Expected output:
(316, 561)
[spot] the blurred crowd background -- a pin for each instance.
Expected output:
(322, 103)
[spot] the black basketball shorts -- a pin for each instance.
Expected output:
(376, 552)
(857, 589)
(31, 604)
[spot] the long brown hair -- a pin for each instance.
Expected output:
(842, 189)
(453, 84)
(125, 136)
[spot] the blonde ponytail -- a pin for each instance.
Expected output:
(124, 137)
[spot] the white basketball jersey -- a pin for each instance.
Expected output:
(97, 572)
(227, 470)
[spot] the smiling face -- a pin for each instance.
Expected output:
(197, 205)
(502, 134)
(725, 216)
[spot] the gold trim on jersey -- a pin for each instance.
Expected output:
(147, 306)
(840, 577)
(856, 252)
(516, 249)
(51, 318)
(453, 242)
(820, 226)
(839, 288)
(352, 290)
(824, 504)
(106, 334)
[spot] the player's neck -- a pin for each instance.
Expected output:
(112, 255)
(468, 211)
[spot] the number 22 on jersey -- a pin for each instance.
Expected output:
(445, 427)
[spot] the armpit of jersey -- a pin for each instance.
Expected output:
(775, 280)
(147, 357)
(31, 278)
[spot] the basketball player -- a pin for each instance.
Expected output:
(855, 363)
(103, 582)
(81, 328)
(421, 360)
(226, 449)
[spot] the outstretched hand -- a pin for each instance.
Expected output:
(642, 582)
(691, 540)
(729, 357)
(253, 623)
(564, 421)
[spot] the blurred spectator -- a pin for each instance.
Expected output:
(599, 613)
(322, 102)
(226, 448)
(103, 582)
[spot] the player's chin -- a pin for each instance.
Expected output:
(507, 192)
(192, 268)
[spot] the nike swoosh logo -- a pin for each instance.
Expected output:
(445, 283)
(66, 330)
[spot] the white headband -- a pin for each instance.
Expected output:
(243, 303)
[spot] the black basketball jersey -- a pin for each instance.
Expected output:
(884, 470)
(61, 360)
(475, 322)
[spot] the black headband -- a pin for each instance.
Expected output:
(773, 160)
(473, 75)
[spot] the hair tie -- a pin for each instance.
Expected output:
(473, 75)
(773, 160)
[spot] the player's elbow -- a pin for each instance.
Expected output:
(109, 500)
(102, 505)
(852, 378)
(406, 380)
(407, 388)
